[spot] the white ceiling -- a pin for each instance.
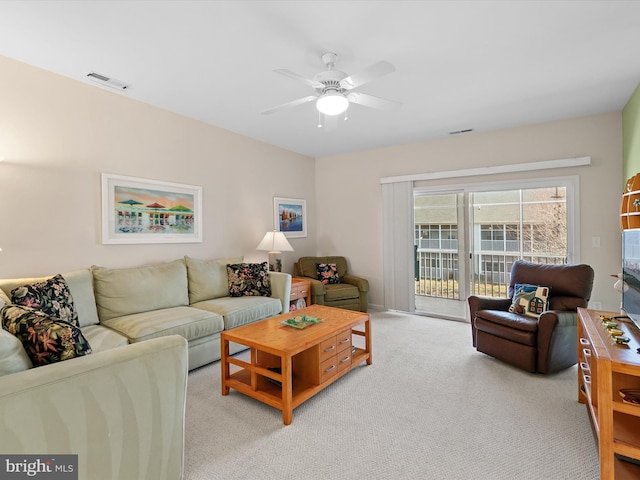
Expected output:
(483, 65)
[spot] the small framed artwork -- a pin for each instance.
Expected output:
(290, 216)
(137, 210)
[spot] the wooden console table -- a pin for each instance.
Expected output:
(604, 367)
(288, 366)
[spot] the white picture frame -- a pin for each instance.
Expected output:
(138, 210)
(290, 216)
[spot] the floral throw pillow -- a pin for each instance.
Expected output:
(529, 300)
(249, 279)
(328, 273)
(46, 340)
(52, 297)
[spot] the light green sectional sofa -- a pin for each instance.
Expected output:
(187, 297)
(121, 409)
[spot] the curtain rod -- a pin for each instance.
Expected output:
(469, 172)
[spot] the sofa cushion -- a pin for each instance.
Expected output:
(102, 338)
(126, 291)
(190, 323)
(513, 321)
(46, 340)
(340, 291)
(80, 284)
(530, 300)
(327, 273)
(4, 299)
(238, 311)
(13, 356)
(208, 278)
(81, 287)
(52, 297)
(249, 279)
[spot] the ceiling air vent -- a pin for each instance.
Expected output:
(107, 81)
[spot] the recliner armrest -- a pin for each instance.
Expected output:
(361, 283)
(557, 330)
(477, 303)
(487, 303)
(560, 318)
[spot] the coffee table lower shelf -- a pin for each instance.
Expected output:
(312, 359)
(271, 394)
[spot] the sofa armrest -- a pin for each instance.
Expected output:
(281, 288)
(122, 411)
(361, 283)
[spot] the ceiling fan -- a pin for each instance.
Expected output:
(335, 89)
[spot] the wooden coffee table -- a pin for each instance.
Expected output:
(288, 366)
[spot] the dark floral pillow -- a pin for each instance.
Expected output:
(328, 273)
(46, 340)
(52, 297)
(249, 279)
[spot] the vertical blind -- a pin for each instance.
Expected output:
(397, 235)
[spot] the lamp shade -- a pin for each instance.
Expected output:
(332, 103)
(275, 242)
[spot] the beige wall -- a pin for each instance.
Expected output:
(58, 135)
(349, 209)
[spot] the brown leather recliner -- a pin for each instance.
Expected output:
(544, 344)
(350, 293)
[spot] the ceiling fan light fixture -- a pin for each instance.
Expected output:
(332, 103)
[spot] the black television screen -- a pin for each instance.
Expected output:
(631, 274)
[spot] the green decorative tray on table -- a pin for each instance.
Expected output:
(301, 321)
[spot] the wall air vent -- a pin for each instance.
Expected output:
(107, 81)
(457, 132)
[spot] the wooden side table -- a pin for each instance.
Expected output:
(300, 288)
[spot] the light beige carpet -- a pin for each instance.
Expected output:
(430, 407)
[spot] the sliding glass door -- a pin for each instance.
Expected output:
(508, 225)
(466, 242)
(440, 245)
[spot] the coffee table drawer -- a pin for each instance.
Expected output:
(328, 369)
(343, 341)
(328, 349)
(344, 360)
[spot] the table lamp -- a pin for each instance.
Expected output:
(275, 243)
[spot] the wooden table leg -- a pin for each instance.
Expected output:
(367, 339)
(287, 389)
(226, 372)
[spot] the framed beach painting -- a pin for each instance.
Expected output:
(136, 210)
(290, 216)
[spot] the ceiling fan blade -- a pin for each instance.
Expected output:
(295, 76)
(373, 102)
(370, 73)
(293, 103)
